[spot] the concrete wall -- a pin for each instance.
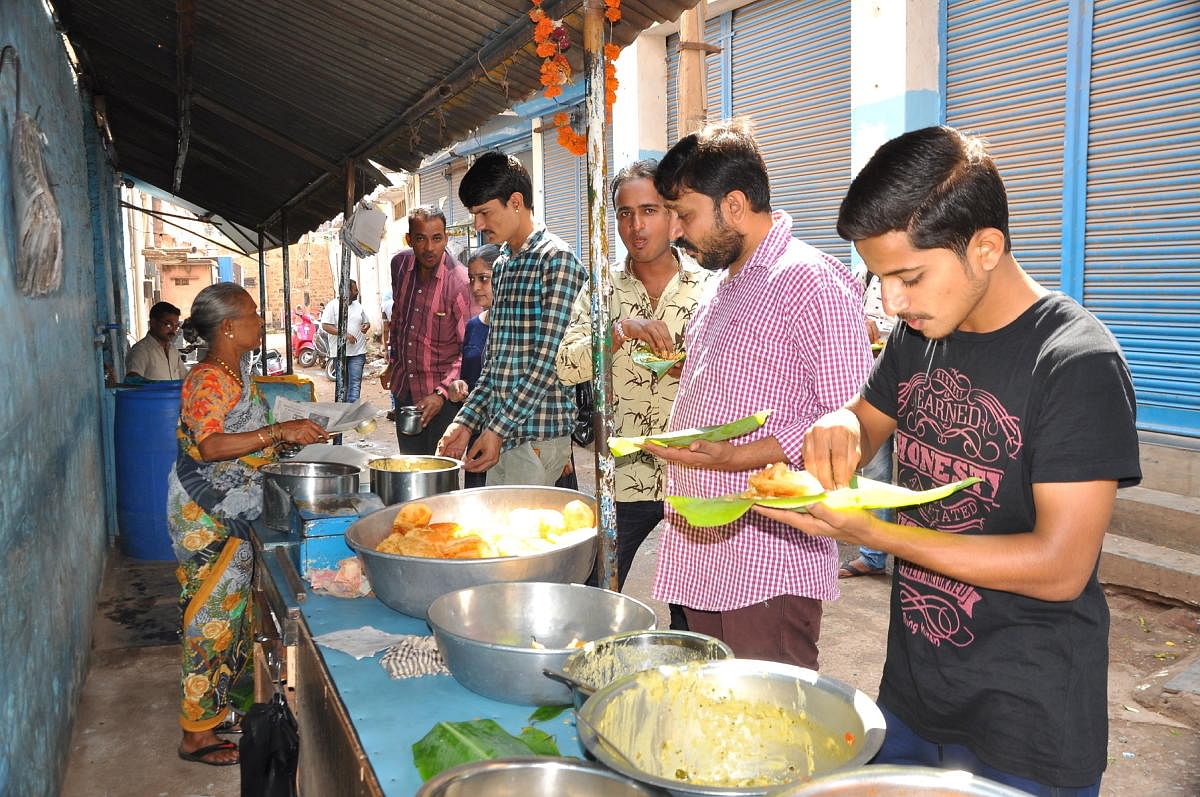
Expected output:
(52, 471)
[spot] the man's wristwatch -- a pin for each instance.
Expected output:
(441, 391)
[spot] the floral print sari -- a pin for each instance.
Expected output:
(209, 509)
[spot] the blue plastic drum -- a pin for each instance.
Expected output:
(146, 448)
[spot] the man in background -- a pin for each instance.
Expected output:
(154, 358)
(520, 409)
(357, 327)
(431, 304)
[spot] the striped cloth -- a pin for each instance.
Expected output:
(786, 333)
(518, 395)
(413, 656)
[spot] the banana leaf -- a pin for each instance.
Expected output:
(449, 744)
(861, 494)
(620, 446)
(658, 365)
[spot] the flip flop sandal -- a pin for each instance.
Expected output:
(853, 568)
(229, 727)
(198, 755)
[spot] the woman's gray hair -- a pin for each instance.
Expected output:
(487, 253)
(212, 306)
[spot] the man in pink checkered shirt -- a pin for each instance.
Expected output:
(782, 331)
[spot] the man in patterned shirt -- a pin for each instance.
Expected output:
(655, 292)
(782, 331)
(520, 410)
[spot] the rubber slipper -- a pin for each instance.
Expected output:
(229, 727)
(198, 755)
(853, 568)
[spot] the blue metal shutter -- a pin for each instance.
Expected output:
(560, 180)
(434, 188)
(1142, 273)
(791, 77)
(455, 212)
(1006, 73)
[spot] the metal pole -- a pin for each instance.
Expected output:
(593, 68)
(344, 290)
(287, 292)
(262, 301)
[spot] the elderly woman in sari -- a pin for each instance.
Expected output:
(213, 493)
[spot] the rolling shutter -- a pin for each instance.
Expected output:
(565, 187)
(791, 77)
(1007, 83)
(435, 188)
(1142, 275)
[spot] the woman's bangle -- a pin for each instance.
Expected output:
(274, 433)
(262, 441)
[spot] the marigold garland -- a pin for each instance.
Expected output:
(552, 41)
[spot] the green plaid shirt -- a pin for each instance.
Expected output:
(518, 395)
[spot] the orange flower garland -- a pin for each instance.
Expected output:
(552, 41)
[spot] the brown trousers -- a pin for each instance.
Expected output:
(784, 628)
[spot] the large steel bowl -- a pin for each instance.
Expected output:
(602, 661)
(532, 776)
(428, 476)
(732, 727)
(409, 584)
(900, 781)
(498, 638)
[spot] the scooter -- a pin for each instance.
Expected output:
(304, 330)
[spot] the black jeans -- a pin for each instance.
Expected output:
(425, 442)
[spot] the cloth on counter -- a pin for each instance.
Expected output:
(358, 642)
(347, 581)
(413, 656)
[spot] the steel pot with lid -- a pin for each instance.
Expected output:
(285, 482)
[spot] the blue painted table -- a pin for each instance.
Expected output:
(388, 715)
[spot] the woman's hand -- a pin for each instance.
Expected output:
(301, 431)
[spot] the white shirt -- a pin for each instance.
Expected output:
(148, 359)
(355, 318)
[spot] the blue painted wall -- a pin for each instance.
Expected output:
(53, 531)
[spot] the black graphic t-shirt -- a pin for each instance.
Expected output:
(1048, 398)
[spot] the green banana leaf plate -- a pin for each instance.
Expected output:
(861, 494)
(621, 446)
(658, 365)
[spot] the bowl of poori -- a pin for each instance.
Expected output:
(497, 639)
(729, 727)
(602, 661)
(419, 550)
(532, 776)
(885, 780)
(403, 477)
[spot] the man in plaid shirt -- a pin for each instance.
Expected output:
(519, 409)
(782, 331)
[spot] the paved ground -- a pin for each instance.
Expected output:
(125, 734)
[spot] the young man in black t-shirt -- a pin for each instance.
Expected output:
(998, 644)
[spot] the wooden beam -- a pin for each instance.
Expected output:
(185, 27)
(692, 105)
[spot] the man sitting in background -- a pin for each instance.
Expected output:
(154, 357)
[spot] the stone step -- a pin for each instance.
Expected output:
(1170, 464)
(1158, 517)
(1156, 569)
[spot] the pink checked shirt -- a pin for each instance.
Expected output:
(786, 333)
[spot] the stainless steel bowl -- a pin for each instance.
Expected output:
(302, 481)
(437, 475)
(602, 661)
(532, 776)
(686, 728)
(409, 584)
(487, 634)
(899, 781)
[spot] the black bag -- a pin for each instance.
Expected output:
(270, 750)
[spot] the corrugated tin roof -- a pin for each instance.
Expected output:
(285, 91)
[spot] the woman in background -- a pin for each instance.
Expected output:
(214, 491)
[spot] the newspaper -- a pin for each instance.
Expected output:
(333, 416)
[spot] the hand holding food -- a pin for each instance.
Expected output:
(652, 332)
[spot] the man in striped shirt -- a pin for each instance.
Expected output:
(519, 409)
(783, 331)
